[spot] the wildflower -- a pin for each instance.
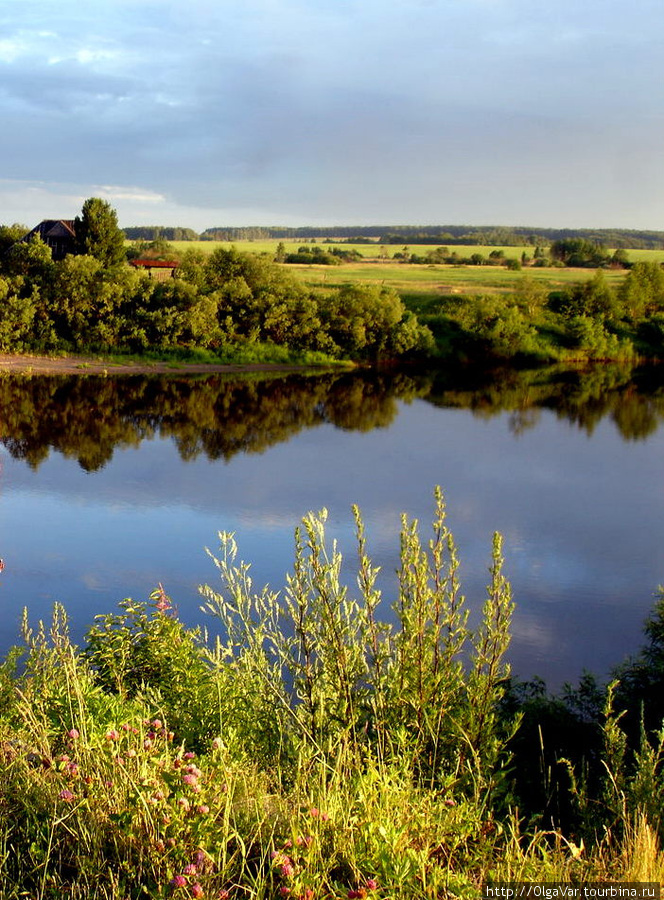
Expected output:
(308, 894)
(184, 803)
(147, 743)
(190, 779)
(217, 743)
(325, 817)
(131, 752)
(200, 857)
(287, 870)
(194, 770)
(372, 884)
(197, 890)
(112, 735)
(66, 795)
(284, 891)
(157, 724)
(189, 754)
(170, 735)
(203, 809)
(178, 881)
(160, 846)
(223, 894)
(450, 801)
(190, 869)
(161, 598)
(74, 734)
(313, 812)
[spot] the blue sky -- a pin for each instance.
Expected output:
(207, 112)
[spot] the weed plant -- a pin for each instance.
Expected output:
(312, 751)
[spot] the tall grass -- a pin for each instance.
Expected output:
(312, 751)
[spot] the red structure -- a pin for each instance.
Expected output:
(156, 268)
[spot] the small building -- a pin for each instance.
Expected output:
(159, 269)
(58, 234)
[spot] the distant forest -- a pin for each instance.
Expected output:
(490, 235)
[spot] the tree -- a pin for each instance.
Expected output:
(579, 252)
(31, 258)
(10, 234)
(642, 292)
(98, 234)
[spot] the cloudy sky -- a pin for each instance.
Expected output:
(211, 112)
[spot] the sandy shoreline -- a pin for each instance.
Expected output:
(79, 365)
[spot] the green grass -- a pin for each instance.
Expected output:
(250, 353)
(415, 280)
(375, 250)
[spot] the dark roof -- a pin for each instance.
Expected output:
(53, 228)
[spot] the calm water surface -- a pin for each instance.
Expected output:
(109, 486)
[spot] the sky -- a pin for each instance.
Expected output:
(207, 113)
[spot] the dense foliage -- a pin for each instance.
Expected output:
(314, 751)
(588, 320)
(90, 301)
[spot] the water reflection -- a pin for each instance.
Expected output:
(88, 417)
(633, 398)
(565, 464)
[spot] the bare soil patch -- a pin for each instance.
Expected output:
(75, 365)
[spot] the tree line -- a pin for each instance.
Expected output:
(490, 235)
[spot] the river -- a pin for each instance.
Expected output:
(111, 485)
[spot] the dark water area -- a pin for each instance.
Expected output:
(111, 485)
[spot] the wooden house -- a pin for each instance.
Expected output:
(58, 234)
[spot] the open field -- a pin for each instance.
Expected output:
(422, 282)
(374, 250)
(410, 281)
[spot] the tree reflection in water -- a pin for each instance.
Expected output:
(88, 417)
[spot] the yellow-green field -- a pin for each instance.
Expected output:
(378, 251)
(422, 280)
(410, 280)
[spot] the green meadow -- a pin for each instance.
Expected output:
(419, 281)
(435, 280)
(375, 250)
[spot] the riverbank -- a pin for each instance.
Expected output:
(81, 365)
